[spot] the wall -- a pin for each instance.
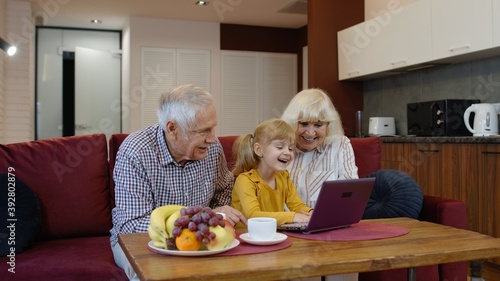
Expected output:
(389, 96)
(325, 18)
(17, 112)
(265, 39)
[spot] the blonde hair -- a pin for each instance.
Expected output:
(312, 105)
(264, 134)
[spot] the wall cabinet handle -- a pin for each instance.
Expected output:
(458, 49)
(491, 152)
(353, 73)
(428, 150)
(399, 62)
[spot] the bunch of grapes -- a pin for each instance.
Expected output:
(198, 219)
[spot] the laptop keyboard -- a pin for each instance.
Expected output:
(293, 226)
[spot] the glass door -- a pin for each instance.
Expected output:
(97, 92)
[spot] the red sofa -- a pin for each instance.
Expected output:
(71, 177)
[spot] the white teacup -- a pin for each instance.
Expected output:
(262, 228)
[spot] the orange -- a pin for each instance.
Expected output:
(187, 241)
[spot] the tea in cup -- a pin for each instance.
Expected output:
(262, 228)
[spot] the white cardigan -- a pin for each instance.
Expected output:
(310, 169)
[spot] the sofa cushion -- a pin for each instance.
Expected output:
(395, 194)
(20, 209)
(71, 178)
(88, 258)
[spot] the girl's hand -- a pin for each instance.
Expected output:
(301, 217)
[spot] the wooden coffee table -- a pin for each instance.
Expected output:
(426, 244)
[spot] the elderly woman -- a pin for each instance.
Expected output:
(322, 151)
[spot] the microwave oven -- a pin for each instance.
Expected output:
(438, 118)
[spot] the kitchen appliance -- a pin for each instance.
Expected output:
(381, 126)
(438, 118)
(485, 119)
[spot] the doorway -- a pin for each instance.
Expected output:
(78, 82)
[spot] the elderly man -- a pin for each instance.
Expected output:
(177, 161)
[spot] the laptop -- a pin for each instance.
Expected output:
(340, 204)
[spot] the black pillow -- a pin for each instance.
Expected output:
(20, 215)
(395, 194)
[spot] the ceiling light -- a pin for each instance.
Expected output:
(8, 48)
(96, 21)
(201, 3)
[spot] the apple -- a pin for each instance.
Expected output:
(223, 236)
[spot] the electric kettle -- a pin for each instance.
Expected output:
(485, 119)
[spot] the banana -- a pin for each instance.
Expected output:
(157, 239)
(170, 222)
(159, 217)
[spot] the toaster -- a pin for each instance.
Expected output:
(380, 126)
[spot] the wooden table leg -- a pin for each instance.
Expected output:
(476, 270)
(412, 274)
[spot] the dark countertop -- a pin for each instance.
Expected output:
(415, 139)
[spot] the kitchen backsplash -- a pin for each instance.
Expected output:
(388, 97)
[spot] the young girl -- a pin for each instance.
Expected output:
(263, 185)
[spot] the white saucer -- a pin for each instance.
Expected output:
(278, 238)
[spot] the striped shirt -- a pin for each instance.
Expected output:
(146, 177)
(310, 169)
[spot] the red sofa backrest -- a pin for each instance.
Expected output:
(367, 153)
(70, 176)
(114, 143)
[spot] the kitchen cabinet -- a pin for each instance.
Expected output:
(461, 26)
(481, 180)
(404, 38)
(354, 51)
(496, 23)
(421, 34)
(394, 156)
(435, 168)
(464, 171)
(397, 37)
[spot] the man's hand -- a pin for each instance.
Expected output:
(232, 215)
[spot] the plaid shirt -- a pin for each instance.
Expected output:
(146, 177)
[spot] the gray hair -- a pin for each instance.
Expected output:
(181, 104)
(312, 105)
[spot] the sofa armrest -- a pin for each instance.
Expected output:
(444, 211)
(451, 213)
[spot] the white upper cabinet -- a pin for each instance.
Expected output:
(419, 33)
(399, 36)
(405, 36)
(496, 23)
(354, 51)
(461, 26)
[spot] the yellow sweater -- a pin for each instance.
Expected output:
(254, 198)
